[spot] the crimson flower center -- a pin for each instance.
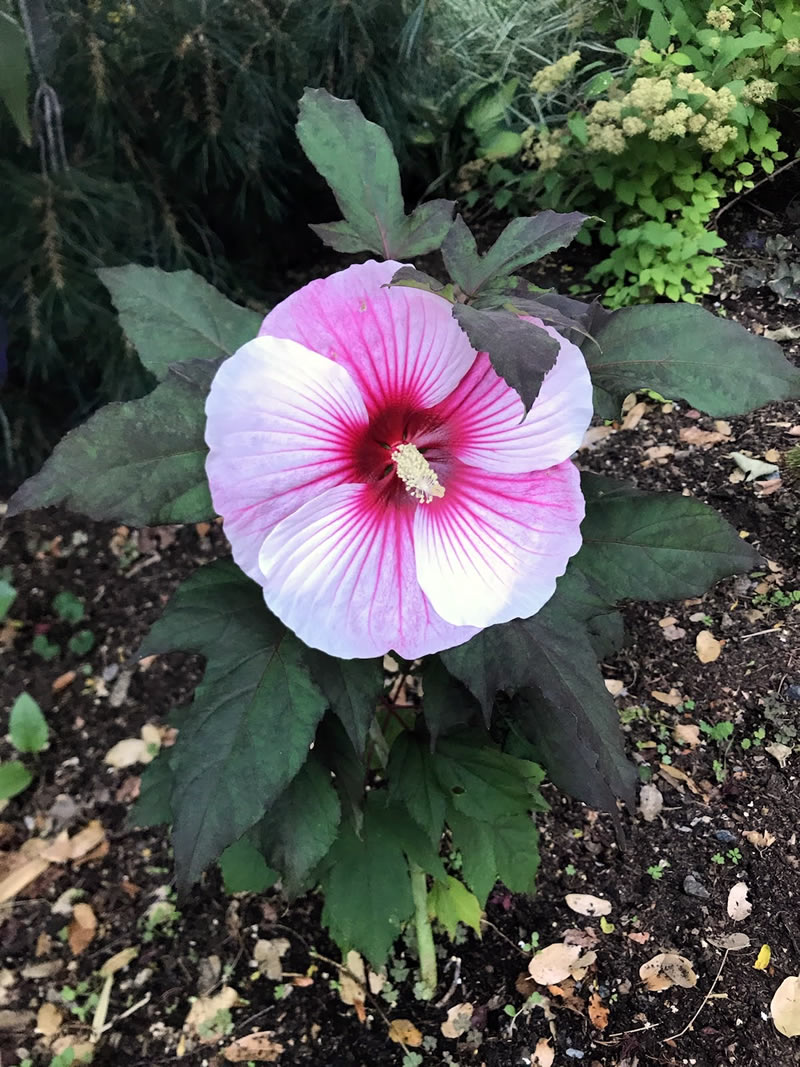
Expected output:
(405, 452)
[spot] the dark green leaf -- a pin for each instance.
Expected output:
(141, 462)
(152, 807)
(81, 642)
(451, 903)
(300, 827)
(685, 352)
(521, 352)
(516, 850)
(244, 869)
(68, 607)
(484, 783)
(14, 778)
(417, 279)
(446, 703)
(8, 595)
(352, 687)
(655, 546)
(414, 783)
(173, 317)
(356, 159)
(14, 74)
(523, 241)
(474, 839)
(254, 715)
(336, 751)
(367, 886)
(575, 727)
(27, 726)
(582, 599)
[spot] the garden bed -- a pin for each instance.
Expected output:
(720, 786)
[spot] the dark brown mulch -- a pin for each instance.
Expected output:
(723, 789)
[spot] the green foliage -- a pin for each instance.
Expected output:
(357, 160)
(14, 778)
(81, 642)
(48, 650)
(14, 74)
(8, 595)
(27, 726)
(778, 268)
(244, 869)
(451, 903)
(655, 546)
(654, 146)
(686, 352)
(68, 607)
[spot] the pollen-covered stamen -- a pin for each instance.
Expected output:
(414, 471)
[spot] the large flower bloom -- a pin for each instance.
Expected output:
(380, 480)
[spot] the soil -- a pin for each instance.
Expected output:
(716, 790)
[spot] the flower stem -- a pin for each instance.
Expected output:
(425, 946)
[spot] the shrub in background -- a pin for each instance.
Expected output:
(654, 148)
(177, 126)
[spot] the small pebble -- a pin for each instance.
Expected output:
(793, 692)
(725, 836)
(694, 887)
(575, 1053)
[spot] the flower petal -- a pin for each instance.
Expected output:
(280, 425)
(401, 345)
(340, 573)
(491, 549)
(487, 422)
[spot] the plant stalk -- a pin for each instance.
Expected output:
(422, 922)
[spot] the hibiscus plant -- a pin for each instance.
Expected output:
(391, 455)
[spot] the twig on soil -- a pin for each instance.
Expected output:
(747, 192)
(760, 633)
(500, 933)
(706, 999)
(455, 962)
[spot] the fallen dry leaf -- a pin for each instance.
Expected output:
(753, 468)
(675, 774)
(258, 1048)
(403, 1032)
(673, 698)
(739, 907)
(594, 435)
(659, 452)
(693, 435)
(634, 416)
(598, 1012)
(118, 961)
(686, 733)
(457, 1022)
(586, 904)
(268, 956)
(666, 970)
(127, 752)
(639, 936)
(779, 752)
(763, 958)
(554, 963)
(614, 686)
(206, 1013)
(723, 427)
(86, 840)
(772, 455)
(48, 1020)
(351, 985)
(544, 1054)
(785, 1007)
(586, 938)
(759, 840)
(731, 942)
(673, 633)
(82, 928)
(651, 801)
(669, 620)
(707, 646)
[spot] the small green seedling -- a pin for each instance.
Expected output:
(68, 607)
(28, 733)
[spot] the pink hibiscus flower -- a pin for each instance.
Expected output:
(380, 480)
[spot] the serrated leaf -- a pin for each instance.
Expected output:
(684, 351)
(451, 903)
(152, 807)
(413, 783)
(14, 778)
(140, 462)
(356, 159)
(244, 869)
(173, 317)
(562, 706)
(300, 827)
(27, 726)
(352, 687)
(475, 841)
(367, 887)
(521, 352)
(523, 241)
(253, 719)
(516, 850)
(484, 783)
(655, 546)
(15, 74)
